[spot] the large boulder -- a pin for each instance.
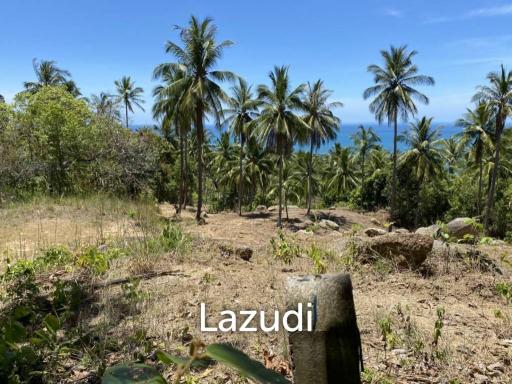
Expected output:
(433, 230)
(372, 232)
(272, 208)
(325, 223)
(261, 209)
(461, 227)
(412, 248)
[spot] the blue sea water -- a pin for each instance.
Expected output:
(346, 131)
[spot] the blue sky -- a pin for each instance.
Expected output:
(458, 41)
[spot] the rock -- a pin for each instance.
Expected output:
(496, 367)
(204, 215)
(399, 351)
(261, 209)
(272, 208)
(329, 224)
(332, 208)
(410, 247)
(372, 232)
(401, 230)
(245, 253)
(373, 220)
(461, 227)
(480, 379)
(103, 248)
(433, 230)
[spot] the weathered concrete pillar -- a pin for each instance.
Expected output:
(331, 353)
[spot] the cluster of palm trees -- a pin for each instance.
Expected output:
(266, 123)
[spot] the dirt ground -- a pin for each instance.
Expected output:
(475, 343)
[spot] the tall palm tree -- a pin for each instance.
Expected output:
(343, 176)
(241, 110)
(395, 95)
(49, 74)
(199, 90)
(477, 133)
(365, 140)
(499, 96)
(453, 151)
(129, 95)
(171, 108)
(322, 122)
(105, 105)
(424, 153)
(279, 125)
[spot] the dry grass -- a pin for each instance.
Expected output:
(165, 314)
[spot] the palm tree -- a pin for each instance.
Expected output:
(322, 123)
(477, 133)
(129, 95)
(49, 74)
(453, 151)
(199, 90)
(242, 110)
(343, 176)
(365, 141)
(170, 107)
(2, 99)
(395, 95)
(424, 153)
(104, 105)
(279, 126)
(499, 96)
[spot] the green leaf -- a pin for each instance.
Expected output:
(14, 332)
(132, 373)
(232, 357)
(52, 323)
(169, 359)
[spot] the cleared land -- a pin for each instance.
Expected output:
(400, 306)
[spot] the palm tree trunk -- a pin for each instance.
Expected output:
(279, 222)
(286, 205)
(185, 168)
(241, 175)
(182, 174)
(393, 188)
(492, 190)
(126, 112)
(310, 174)
(479, 201)
(200, 138)
(418, 204)
(362, 177)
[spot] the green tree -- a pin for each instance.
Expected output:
(453, 151)
(477, 125)
(342, 172)
(499, 96)
(365, 140)
(129, 95)
(241, 111)
(105, 106)
(199, 89)
(395, 96)
(279, 126)
(171, 108)
(49, 74)
(424, 153)
(322, 122)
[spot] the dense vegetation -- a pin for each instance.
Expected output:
(55, 141)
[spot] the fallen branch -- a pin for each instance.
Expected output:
(145, 276)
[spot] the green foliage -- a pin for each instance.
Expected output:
(284, 249)
(174, 239)
(319, 258)
(438, 326)
(132, 373)
(505, 289)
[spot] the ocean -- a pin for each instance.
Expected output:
(346, 131)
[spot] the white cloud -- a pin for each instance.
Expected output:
(491, 11)
(394, 13)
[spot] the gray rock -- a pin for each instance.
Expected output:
(433, 230)
(372, 232)
(245, 253)
(373, 220)
(461, 227)
(261, 209)
(401, 230)
(329, 224)
(272, 208)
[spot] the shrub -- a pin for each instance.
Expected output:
(284, 249)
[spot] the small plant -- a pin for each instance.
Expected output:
(283, 249)
(386, 330)
(486, 240)
(318, 256)
(505, 290)
(438, 326)
(94, 260)
(53, 257)
(174, 239)
(200, 356)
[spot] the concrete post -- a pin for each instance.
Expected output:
(331, 353)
